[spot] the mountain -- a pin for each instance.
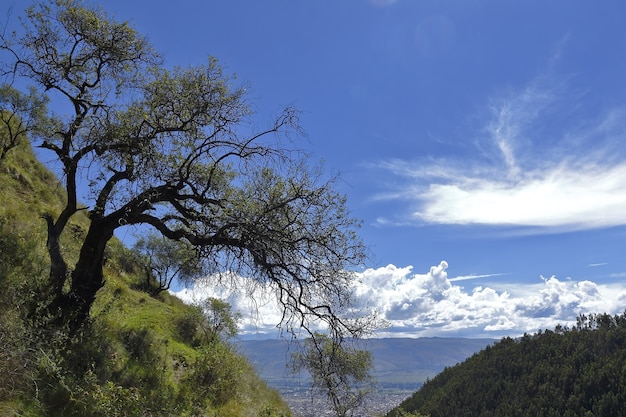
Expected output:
(400, 364)
(566, 372)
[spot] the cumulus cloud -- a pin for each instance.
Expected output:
(534, 164)
(432, 304)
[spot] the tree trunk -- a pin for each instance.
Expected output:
(87, 277)
(71, 309)
(58, 267)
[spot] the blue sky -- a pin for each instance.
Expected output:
(482, 143)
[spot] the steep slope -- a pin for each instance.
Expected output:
(142, 355)
(565, 372)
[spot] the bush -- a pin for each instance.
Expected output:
(188, 326)
(111, 400)
(216, 373)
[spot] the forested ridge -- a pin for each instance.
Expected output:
(578, 371)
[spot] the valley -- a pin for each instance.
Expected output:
(401, 366)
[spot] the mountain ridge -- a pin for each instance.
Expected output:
(398, 362)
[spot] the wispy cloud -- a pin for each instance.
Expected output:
(536, 163)
(471, 277)
(382, 3)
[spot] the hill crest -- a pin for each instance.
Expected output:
(575, 371)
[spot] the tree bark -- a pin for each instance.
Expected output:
(87, 277)
(72, 308)
(58, 267)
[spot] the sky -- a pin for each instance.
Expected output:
(482, 143)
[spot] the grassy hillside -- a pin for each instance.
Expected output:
(565, 372)
(141, 355)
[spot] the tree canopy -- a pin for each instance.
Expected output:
(175, 150)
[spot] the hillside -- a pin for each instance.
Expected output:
(565, 372)
(141, 355)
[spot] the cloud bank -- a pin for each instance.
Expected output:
(432, 304)
(539, 159)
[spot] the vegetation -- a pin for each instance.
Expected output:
(140, 353)
(566, 372)
(339, 371)
(19, 114)
(173, 151)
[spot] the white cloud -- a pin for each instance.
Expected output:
(586, 197)
(256, 303)
(431, 304)
(526, 169)
(473, 276)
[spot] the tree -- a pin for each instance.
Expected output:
(174, 150)
(339, 371)
(164, 260)
(19, 114)
(221, 322)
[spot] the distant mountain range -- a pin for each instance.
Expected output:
(400, 364)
